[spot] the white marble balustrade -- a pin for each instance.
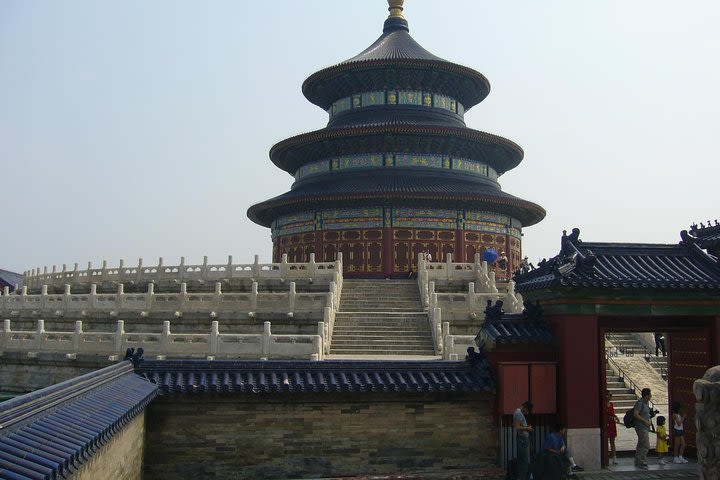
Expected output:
(22, 303)
(214, 343)
(140, 273)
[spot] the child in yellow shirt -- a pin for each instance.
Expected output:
(661, 447)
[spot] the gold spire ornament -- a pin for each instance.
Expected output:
(396, 8)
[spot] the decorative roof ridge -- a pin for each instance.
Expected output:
(34, 403)
(274, 365)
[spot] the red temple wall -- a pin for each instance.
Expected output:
(394, 251)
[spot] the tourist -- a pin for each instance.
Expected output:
(661, 446)
(502, 261)
(660, 344)
(678, 417)
(562, 463)
(642, 428)
(611, 422)
(523, 430)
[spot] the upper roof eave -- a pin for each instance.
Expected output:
(293, 152)
(325, 86)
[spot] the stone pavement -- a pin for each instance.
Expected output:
(624, 471)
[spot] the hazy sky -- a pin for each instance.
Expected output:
(142, 128)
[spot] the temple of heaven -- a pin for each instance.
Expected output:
(395, 172)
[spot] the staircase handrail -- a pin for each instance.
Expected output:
(647, 354)
(625, 377)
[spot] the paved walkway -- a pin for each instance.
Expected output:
(624, 471)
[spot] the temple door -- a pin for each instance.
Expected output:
(689, 356)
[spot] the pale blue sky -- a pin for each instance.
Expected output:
(142, 128)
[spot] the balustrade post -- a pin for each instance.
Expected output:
(283, 265)
(119, 336)
(139, 273)
(182, 270)
(291, 297)
(437, 328)
(328, 320)
(43, 296)
(334, 290)
(205, 270)
(339, 262)
(76, 273)
(103, 271)
(39, 334)
(267, 333)
(183, 294)
(77, 334)
(165, 338)
(121, 271)
(214, 335)
(330, 300)
(256, 267)
(150, 297)
(66, 297)
(5, 297)
(5, 339)
(448, 266)
(229, 268)
(217, 301)
(433, 300)
(471, 297)
(23, 296)
(312, 267)
(119, 297)
(159, 273)
(253, 296)
(93, 295)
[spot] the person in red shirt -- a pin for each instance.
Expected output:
(611, 421)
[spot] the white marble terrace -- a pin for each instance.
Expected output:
(447, 308)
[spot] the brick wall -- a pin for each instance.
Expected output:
(119, 459)
(266, 436)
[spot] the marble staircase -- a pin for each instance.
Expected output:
(381, 317)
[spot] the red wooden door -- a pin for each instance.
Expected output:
(689, 356)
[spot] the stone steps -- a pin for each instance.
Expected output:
(381, 317)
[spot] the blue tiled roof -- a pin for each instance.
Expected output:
(50, 433)
(623, 265)
(299, 377)
(515, 329)
(395, 49)
(431, 187)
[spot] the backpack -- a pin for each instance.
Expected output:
(629, 418)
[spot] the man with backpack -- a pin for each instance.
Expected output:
(642, 428)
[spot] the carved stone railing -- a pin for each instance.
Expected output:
(212, 344)
(59, 305)
(140, 273)
(445, 308)
(448, 272)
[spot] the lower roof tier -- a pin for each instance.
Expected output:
(498, 152)
(396, 188)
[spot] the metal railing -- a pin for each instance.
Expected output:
(647, 354)
(637, 391)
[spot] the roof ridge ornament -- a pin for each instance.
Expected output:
(395, 7)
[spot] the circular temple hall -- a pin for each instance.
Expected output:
(396, 171)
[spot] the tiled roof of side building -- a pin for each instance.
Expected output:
(50, 433)
(301, 377)
(10, 279)
(625, 265)
(514, 329)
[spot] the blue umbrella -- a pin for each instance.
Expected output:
(490, 255)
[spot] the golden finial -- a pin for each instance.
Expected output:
(396, 8)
